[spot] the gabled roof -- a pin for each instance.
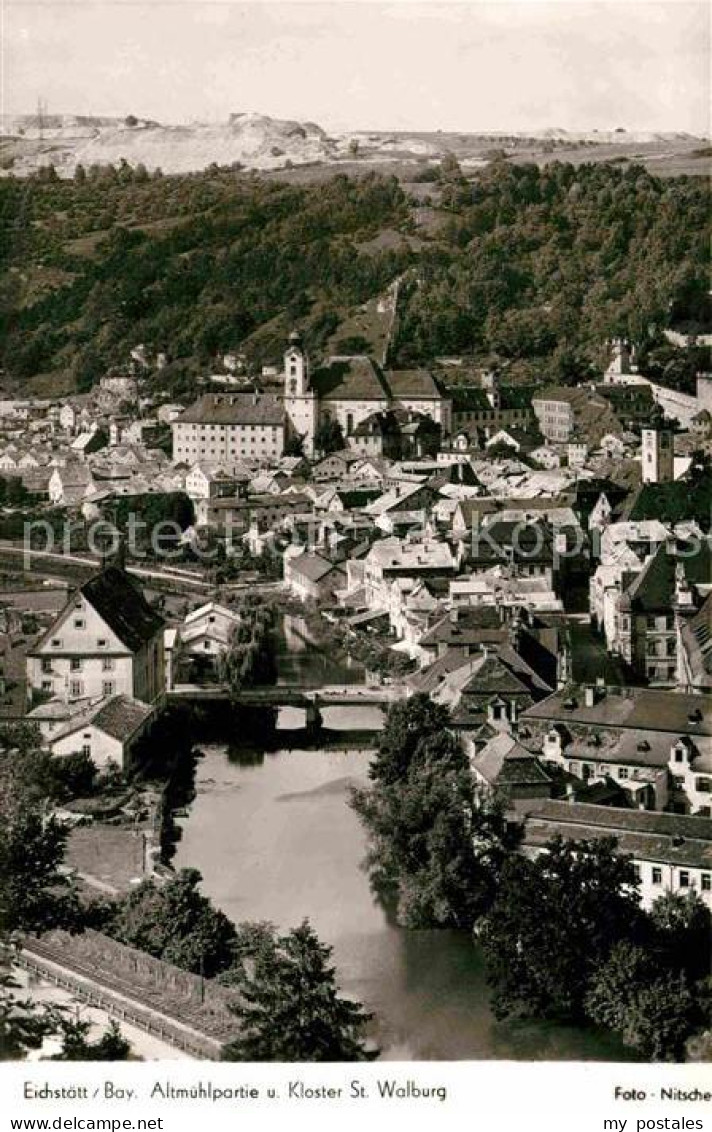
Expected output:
(121, 604)
(313, 567)
(414, 384)
(118, 716)
(468, 625)
(357, 378)
(505, 762)
(211, 607)
(654, 587)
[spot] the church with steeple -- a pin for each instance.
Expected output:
(300, 400)
(352, 390)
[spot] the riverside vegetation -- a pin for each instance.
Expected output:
(563, 935)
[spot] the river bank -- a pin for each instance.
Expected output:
(275, 839)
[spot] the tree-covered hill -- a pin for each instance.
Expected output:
(188, 265)
(537, 267)
(541, 266)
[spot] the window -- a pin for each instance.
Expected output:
(108, 687)
(684, 880)
(56, 643)
(79, 623)
(86, 749)
(704, 785)
(76, 688)
(46, 665)
(706, 882)
(46, 685)
(622, 771)
(657, 875)
(101, 643)
(75, 664)
(107, 664)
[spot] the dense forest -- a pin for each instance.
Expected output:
(534, 266)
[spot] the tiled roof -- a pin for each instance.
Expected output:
(674, 838)
(350, 379)
(121, 604)
(313, 567)
(654, 588)
(118, 716)
(417, 384)
(469, 625)
(676, 713)
(697, 640)
(505, 762)
(235, 408)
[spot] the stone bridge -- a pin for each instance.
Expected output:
(310, 699)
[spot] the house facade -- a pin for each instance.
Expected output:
(106, 641)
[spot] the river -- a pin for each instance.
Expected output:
(275, 840)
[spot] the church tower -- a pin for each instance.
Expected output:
(658, 455)
(300, 400)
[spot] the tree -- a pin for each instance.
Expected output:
(294, 446)
(682, 928)
(23, 1026)
(175, 922)
(409, 725)
(555, 920)
(34, 894)
(249, 657)
(329, 436)
(437, 842)
(76, 1046)
(290, 1007)
(653, 1012)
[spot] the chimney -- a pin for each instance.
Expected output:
(589, 696)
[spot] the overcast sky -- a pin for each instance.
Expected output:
(464, 66)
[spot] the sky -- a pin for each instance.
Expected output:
(474, 65)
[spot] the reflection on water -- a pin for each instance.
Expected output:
(275, 840)
(301, 661)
